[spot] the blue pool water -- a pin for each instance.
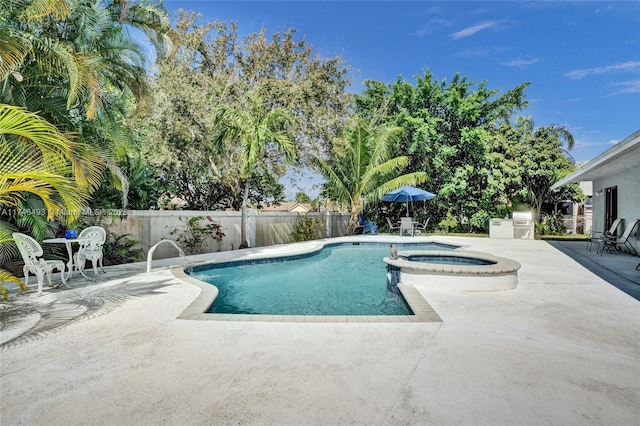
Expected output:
(450, 260)
(343, 279)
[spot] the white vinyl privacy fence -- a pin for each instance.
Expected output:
(148, 227)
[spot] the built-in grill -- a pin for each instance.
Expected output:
(520, 226)
(523, 225)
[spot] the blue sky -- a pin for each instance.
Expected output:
(581, 58)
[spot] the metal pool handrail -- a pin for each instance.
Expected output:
(150, 255)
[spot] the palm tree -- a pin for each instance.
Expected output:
(366, 171)
(76, 63)
(262, 136)
(75, 50)
(37, 160)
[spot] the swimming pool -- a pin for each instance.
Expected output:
(339, 279)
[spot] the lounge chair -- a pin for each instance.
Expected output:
(368, 227)
(393, 227)
(30, 249)
(598, 237)
(422, 227)
(616, 243)
(91, 249)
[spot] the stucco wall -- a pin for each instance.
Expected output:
(628, 183)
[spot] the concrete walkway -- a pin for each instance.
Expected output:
(562, 348)
(617, 268)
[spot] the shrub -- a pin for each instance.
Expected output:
(193, 236)
(449, 224)
(479, 222)
(306, 229)
(119, 249)
(551, 225)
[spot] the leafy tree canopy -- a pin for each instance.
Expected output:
(302, 197)
(447, 127)
(214, 67)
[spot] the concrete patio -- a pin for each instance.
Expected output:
(562, 348)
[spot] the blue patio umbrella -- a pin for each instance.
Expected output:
(407, 194)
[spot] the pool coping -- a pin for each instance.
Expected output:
(197, 310)
(499, 265)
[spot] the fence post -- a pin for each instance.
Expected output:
(251, 226)
(327, 223)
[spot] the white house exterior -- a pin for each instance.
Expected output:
(615, 175)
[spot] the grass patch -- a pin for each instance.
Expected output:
(568, 237)
(458, 234)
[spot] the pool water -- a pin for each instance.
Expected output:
(449, 260)
(338, 280)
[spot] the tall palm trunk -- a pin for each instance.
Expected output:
(354, 220)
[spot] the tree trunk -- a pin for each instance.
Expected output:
(244, 240)
(354, 221)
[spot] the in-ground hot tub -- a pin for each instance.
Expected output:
(453, 270)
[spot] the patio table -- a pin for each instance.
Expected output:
(67, 242)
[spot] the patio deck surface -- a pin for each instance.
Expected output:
(561, 348)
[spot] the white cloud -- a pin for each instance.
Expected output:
(629, 86)
(520, 63)
(614, 141)
(469, 31)
(623, 67)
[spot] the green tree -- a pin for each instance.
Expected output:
(544, 161)
(301, 197)
(447, 129)
(364, 170)
(72, 52)
(215, 66)
(263, 138)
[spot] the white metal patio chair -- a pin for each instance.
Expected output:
(91, 249)
(30, 249)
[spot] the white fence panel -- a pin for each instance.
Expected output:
(148, 227)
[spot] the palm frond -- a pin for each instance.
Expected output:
(8, 250)
(414, 178)
(9, 277)
(13, 50)
(27, 125)
(339, 187)
(151, 20)
(38, 9)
